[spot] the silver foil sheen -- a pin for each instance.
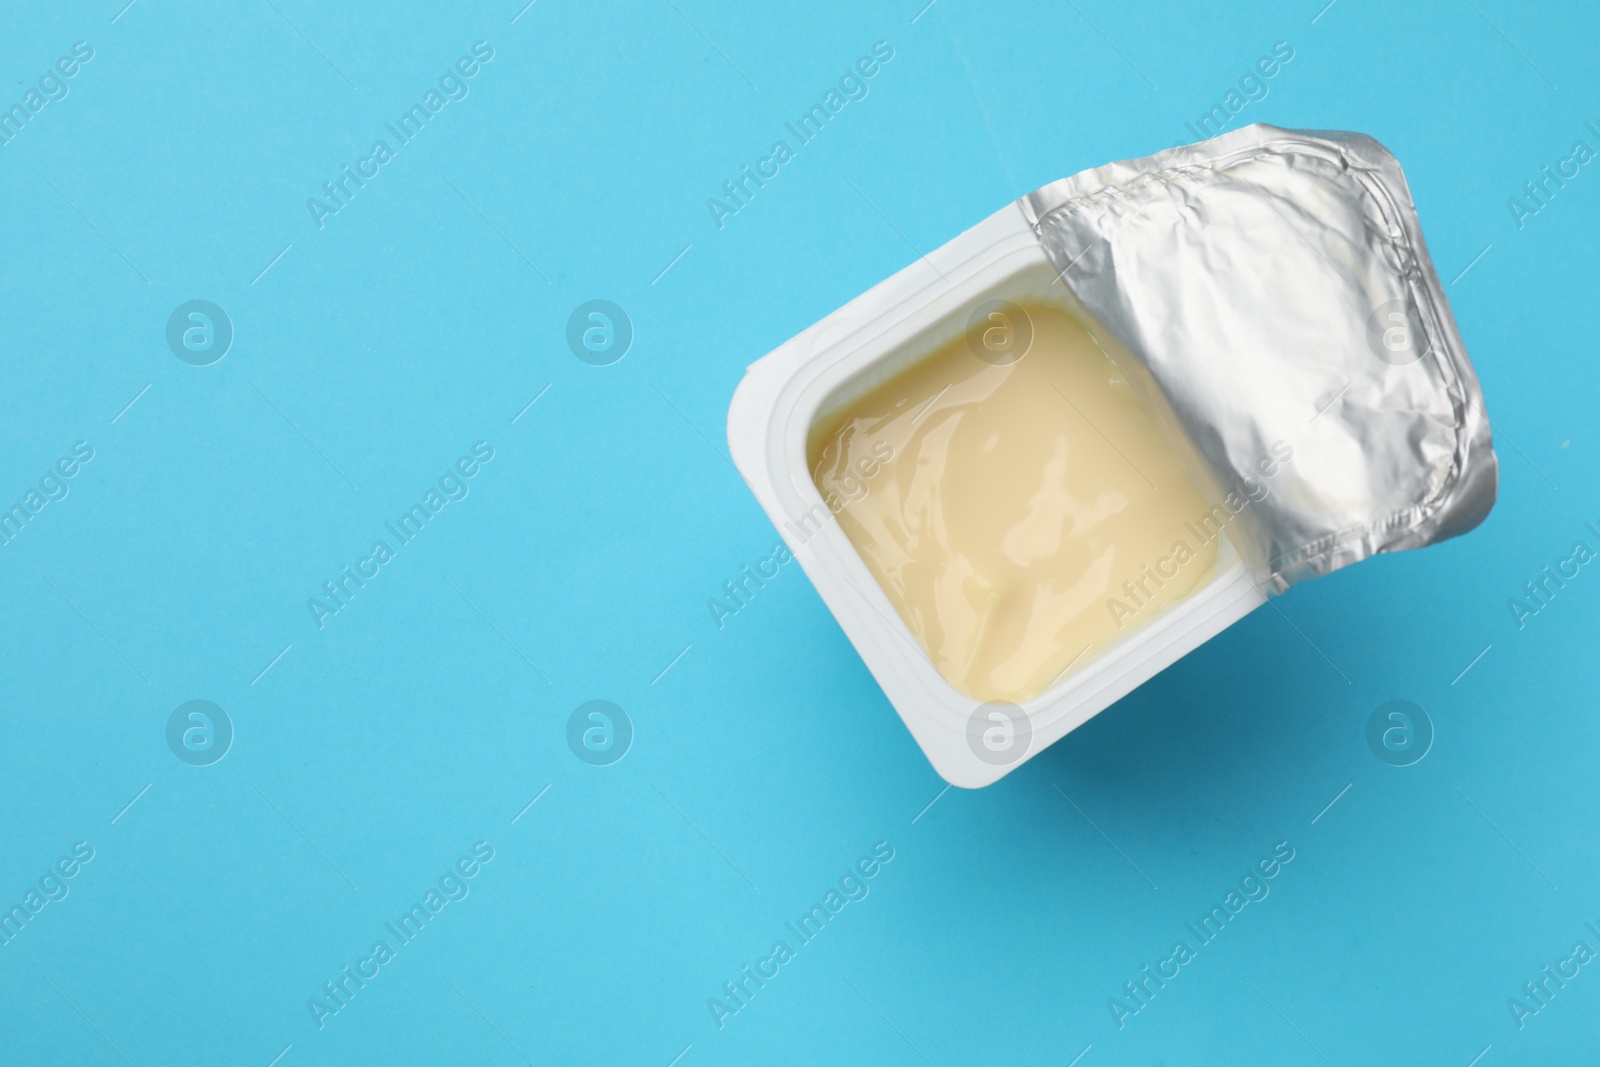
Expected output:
(1271, 287)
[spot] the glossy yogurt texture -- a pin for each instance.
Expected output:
(1029, 514)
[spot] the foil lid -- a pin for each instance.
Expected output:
(1269, 296)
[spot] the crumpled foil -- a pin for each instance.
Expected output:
(1269, 291)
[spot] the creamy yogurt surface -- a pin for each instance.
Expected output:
(1030, 511)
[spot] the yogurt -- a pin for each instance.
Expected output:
(1031, 511)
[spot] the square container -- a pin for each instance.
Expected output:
(871, 339)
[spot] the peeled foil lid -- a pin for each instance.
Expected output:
(1269, 291)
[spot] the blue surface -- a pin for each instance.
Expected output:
(370, 755)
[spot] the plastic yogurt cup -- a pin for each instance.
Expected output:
(991, 458)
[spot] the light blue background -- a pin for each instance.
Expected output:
(376, 750)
